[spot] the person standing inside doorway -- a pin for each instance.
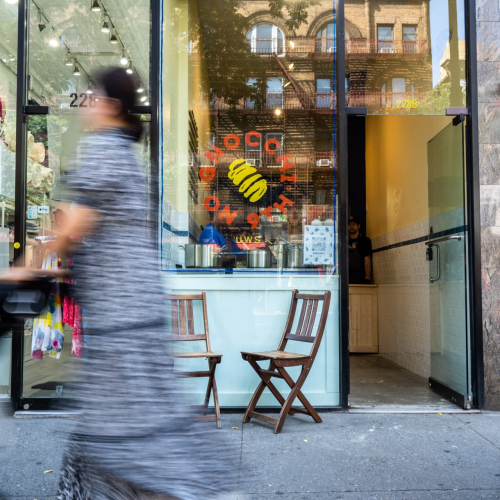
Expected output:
(360, 255)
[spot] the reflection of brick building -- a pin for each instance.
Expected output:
(295, 115)
(387, 52)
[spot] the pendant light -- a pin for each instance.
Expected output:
(89, 88)
(105, 25)
(76, 69)
(140, 89)
(130, 68)
(113, 37)
(69, 59)
(144, 98)
(124, 59)
(146, 103)
(11, 1)
(95, 7)
(41, 24)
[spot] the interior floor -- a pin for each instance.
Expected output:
(377, 381)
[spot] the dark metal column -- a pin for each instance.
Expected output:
(473, 209)
(20, 189)
(342, 217)
(155, 65)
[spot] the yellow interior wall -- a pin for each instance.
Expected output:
(396, 170)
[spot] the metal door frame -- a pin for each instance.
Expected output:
(473, 206)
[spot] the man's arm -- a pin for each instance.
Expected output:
(368, 267)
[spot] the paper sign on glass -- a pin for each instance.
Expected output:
(318, 245)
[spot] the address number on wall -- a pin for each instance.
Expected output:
(406, 103)
(83, 100)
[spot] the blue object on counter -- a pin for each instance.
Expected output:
(211, 236)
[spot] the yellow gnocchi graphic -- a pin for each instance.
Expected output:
(251, 184)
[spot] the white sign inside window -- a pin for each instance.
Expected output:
(318, 245)
(32, 212)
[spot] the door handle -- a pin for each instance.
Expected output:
(444, 238)
(433, 279)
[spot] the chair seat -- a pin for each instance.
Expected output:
(278, 355)
(202, 354)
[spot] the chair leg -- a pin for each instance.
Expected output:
(211, 367)
(290, 399)
(253, 402)
(308, 406)
(216, 403)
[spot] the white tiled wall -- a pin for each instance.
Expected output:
(402, 277)
(407, 301)
(178, 222)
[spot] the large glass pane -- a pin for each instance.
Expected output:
(8, 85)
(421, 43)
(249, 165)
(69, 43)
(447, 260)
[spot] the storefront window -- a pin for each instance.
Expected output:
(8, 85)
(250, 173)
(418, 42)
(69, 42)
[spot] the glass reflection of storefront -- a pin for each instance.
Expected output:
(248, 147)
(239, 100)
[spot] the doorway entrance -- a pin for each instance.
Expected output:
(409, 334)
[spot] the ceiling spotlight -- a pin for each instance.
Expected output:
(89, 89)
(113, 38)
(291, 66)
(69, 59)
(130, 68)
(144, 98)
(54, 41)
(105, 25)
(140, 89)
(277, 112)
(124, 59)
(95, 7)
(76, 70)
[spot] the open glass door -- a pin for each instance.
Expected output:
(447, 256)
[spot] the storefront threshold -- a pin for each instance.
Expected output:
(410, 409)
(45, 414)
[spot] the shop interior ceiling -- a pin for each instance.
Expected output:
(62, 31)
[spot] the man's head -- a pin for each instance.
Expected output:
(354, 226)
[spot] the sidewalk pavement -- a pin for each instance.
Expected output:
(348, 456)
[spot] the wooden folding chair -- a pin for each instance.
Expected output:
(281, 359)
(183, 330)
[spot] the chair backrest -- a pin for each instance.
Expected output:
(183, 327)
(305, 331)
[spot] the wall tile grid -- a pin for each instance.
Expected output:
(178, 229)
(407, 302)
(403, 298)
(488, 52)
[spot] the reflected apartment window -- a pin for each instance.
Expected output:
(410, 39)
(266, 39)
(385, 39)
(323, 93)
(250, 103)
(274, 141)
(274, 93)
(253, 149)
(325, 38)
